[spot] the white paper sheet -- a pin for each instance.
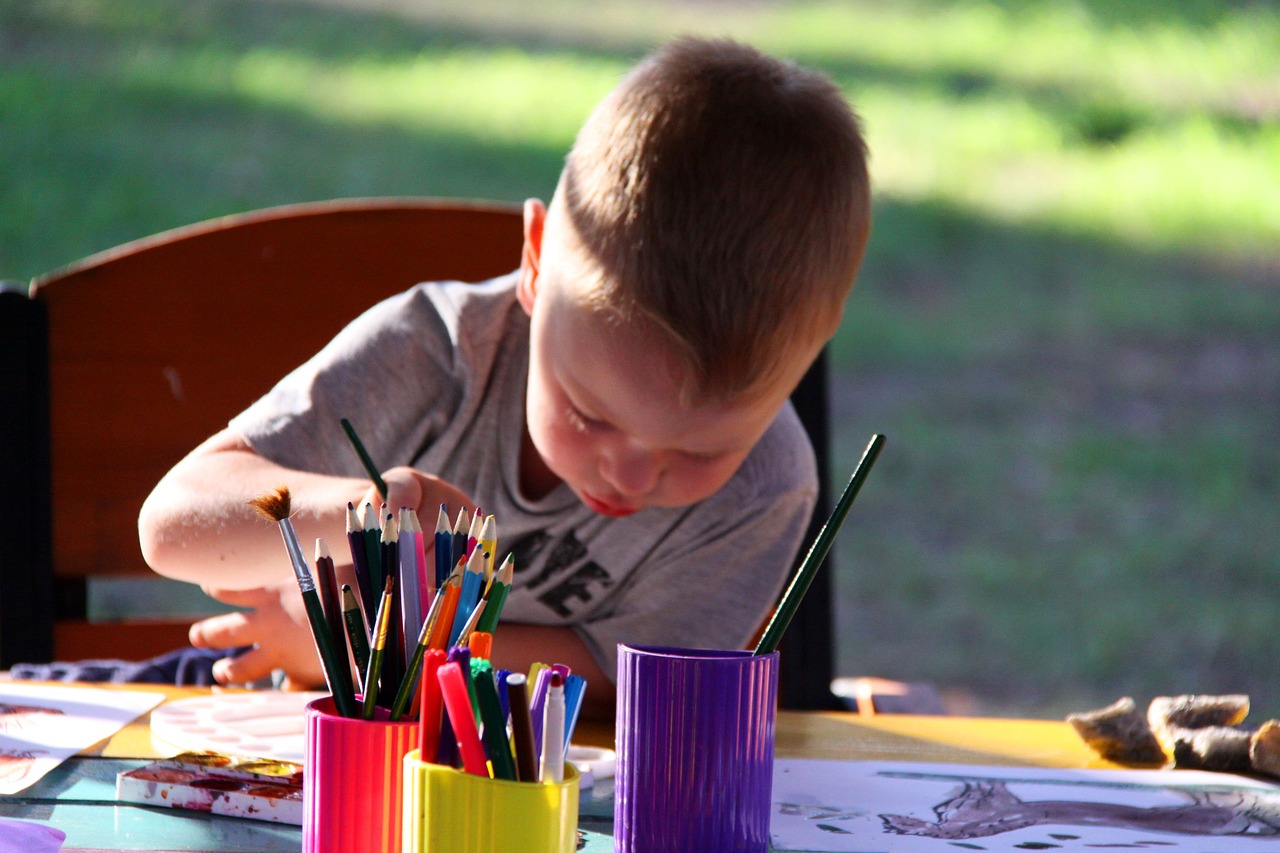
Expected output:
(40, 725)
(855, 807)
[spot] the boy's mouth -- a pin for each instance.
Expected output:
(605, 508)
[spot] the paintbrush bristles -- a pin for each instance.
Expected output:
(273, 506)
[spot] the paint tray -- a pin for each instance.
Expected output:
(261, 789)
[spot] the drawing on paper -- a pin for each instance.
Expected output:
(983, 807)
(859, 806)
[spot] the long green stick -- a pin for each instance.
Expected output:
(365, 458)
(791, 599)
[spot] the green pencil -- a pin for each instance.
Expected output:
(365, 458)
(405, 694)
(791, 599)
(497, 596)
(357, 634)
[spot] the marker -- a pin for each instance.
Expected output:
(431, 706)
(457, 702)
(553, 731)
(496, 745)
(522, 728)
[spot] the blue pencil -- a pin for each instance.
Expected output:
(444, 547)
(472, 586)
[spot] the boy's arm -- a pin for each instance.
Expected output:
(517, 646)
(197, 526)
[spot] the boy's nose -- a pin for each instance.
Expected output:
(632, 470)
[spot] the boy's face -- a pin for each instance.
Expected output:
(603, 407)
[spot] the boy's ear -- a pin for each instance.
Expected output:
(535, 217)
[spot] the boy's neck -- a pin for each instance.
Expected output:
(536, 479)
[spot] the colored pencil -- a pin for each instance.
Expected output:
(488, 543)
(804, 575)
(359, 559)
(459, 549)
(373, 548)
(365, 459)
(405, 692)
(497, 596)
(444, 625)
(472, 581)
(357, 632)
(444, 547)
(327, 583)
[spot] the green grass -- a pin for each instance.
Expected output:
(1067, 324)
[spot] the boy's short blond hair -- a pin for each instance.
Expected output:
(722, 196)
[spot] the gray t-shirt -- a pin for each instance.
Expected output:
(435, 378)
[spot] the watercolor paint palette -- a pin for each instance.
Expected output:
(263, 723)
(262, 789)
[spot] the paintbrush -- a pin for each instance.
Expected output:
(275, 506)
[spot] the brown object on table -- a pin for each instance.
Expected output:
(1196, 711)
(1264, 749)
(1218, 748)
(1119, 733)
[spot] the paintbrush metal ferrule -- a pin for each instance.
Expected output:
(306, 582)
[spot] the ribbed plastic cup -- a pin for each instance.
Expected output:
(352, 780)
(695, 733)
(447, 810)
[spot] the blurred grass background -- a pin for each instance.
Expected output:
(1068, 323)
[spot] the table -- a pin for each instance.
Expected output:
(79, 796)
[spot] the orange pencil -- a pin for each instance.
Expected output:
(444, 622)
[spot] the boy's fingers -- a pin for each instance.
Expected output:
(236, 597)
(221, 632)
(250, 666)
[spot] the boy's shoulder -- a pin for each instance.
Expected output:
(782, 461)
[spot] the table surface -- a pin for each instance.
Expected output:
(78, 797)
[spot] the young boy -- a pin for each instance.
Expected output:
(619, 403)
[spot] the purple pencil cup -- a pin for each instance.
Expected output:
(695, 732)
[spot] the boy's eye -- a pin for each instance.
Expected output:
(585, 420)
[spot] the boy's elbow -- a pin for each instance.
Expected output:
(150, 535)
(158, 540)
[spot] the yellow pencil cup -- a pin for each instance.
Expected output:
(447, 810)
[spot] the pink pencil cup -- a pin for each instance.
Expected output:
(352, 781)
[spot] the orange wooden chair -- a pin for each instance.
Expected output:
(118, 365)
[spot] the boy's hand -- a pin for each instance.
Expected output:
(275, 625)
(408, 487)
